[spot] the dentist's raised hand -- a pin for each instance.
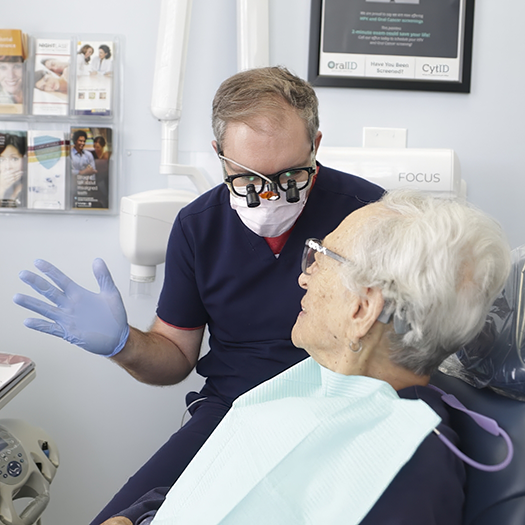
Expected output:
(96, 322)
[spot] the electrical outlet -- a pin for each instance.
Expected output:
(384, 138)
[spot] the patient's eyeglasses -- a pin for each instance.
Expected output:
(313, 246)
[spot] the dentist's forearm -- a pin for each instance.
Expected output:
(162, 356)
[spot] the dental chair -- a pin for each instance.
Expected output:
(492, 498)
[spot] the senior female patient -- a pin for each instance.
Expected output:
(348, 436)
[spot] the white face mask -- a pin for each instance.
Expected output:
(270, 218)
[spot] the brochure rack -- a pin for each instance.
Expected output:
(60, 123)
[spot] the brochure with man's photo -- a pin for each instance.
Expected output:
(94, 78)
(90, 154)
(46, 170)
(13, 149)
(13, 52)
(51, 77)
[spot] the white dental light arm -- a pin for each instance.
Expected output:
(168, 81)
(170, 65)
(253, 34)
(170, 60)
(146, 218)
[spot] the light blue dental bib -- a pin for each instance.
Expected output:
(309, 446)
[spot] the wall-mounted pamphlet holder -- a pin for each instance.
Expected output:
(61, 116)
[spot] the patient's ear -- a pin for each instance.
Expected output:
(365, 311)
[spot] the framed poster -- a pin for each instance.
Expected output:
(421, 45)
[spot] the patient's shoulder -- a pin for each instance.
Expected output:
(429, 489)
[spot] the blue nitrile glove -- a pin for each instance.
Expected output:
(95, 322)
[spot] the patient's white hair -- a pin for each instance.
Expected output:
(440, 262)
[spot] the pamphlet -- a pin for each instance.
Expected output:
(12, 367)
(46, 170)
(94, 78)
(13, 146)
(51, 80)
(9, 372)
(13, 52)
(91, 150)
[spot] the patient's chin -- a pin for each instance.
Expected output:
(296, 334)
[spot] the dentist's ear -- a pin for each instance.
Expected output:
(215, 146)
(317, 141)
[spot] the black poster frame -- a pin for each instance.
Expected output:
(462, 85)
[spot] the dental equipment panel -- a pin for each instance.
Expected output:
(28, 456)
(28, 464)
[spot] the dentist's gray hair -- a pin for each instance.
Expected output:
(263, 91)
(439, 262)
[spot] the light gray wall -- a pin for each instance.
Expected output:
(105, 423)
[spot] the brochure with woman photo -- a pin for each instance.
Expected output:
(94, 78)
(13, 52)
(13, 147)
(51, 77)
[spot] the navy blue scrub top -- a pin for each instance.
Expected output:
(220, 273)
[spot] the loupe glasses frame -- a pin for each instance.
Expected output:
(228, 179)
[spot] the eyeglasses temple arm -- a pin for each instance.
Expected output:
(222, 157)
